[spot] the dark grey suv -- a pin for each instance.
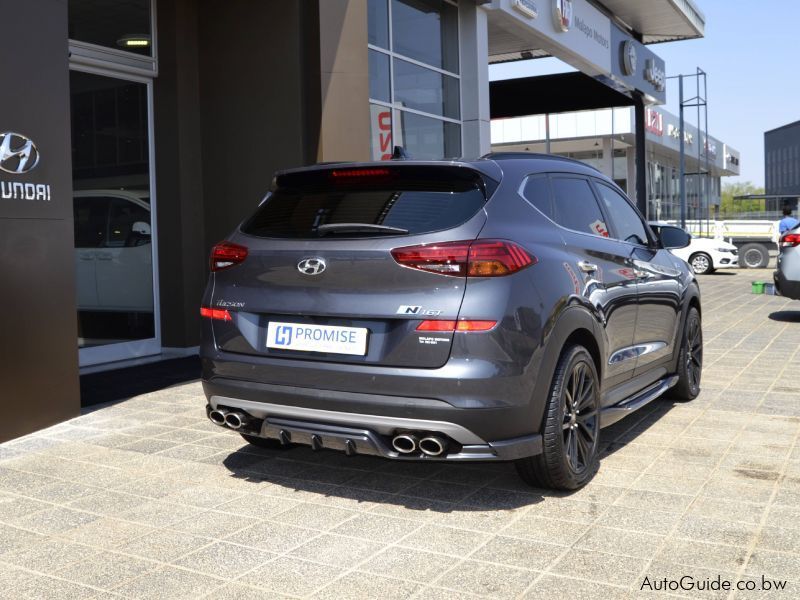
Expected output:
(504, 308)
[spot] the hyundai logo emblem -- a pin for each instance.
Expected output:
(18, 154)
(312, 266)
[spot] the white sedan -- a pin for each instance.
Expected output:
(706, 255)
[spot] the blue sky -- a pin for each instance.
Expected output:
(751, 52)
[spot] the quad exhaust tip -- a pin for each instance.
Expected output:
(217, 416)
(405, 443)
(432, 445)
(236, 420)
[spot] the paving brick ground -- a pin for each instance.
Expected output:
(146, 499)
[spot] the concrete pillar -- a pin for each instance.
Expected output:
(474, 60)
(344, 81)
(607, 161)
(630, 176)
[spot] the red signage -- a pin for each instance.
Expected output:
(654, 122)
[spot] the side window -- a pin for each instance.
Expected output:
(90, 217)
(122, 217)
(576, 207)
(627, 223)
(537, 192)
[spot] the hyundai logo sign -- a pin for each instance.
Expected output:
(312, 266)
(18, 153)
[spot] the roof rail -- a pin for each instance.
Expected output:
(534, 155)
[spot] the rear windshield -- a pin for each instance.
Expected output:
(301, 208)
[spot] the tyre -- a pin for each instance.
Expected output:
(701, 263)
(268, 443)
(571, 432)
(753, 256)
(690, 359)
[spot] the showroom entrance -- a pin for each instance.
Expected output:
(113, 182)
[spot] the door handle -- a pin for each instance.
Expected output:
(86, 257)
(104, 256)
(587, 267)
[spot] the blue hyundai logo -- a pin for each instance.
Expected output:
(283, 335)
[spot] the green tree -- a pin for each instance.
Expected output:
(730, 208)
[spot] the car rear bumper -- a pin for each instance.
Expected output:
(370, 421)
(786, 287)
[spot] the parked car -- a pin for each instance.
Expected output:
(504, 308)
(706, 255)
(787, 274)
(113, 255)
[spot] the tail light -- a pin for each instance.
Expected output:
(790, 240)
(480, 258)
(227, 254)
(219, 314)
(448, 326)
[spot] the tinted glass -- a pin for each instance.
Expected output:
(128, 224)
(298, 213)
(627, 224)
(91, 216)
(120, 25)
(111, 176)
(537, 192)
(427, 31)
(378, 23)
(379, 76)
(426, 138)
(426, 90)
(575, 206)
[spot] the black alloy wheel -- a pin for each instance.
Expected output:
(571, 432)
(580, 418)
(690, 361)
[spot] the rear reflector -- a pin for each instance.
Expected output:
(227, 254)
(790, 240)
(465, 325)
(480, 258)
(220, 314)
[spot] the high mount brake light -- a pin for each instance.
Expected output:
(480, 258)
(790, 240)
(353, 174)
(219, 314)
(447, 326)
(227, 254)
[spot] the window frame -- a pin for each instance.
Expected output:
(390, 52)
(595, 182)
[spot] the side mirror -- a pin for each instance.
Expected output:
(674, 237)
(141, 228)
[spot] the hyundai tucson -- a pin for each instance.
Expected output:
(500, 309)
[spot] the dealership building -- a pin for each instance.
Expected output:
(782, 167)
(606, 139)
(134, 134)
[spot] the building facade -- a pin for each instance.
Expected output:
(134, 135)
(606, 140)
(782, 166)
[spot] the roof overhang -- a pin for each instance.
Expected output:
(658, 20)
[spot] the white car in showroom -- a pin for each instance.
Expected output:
(706, 255)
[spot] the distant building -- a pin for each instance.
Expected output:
(782, 166)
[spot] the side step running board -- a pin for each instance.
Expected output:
(612, 414)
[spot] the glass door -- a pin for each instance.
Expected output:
(114, 217)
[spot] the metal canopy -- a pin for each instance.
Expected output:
(659, 20)
(655, 20)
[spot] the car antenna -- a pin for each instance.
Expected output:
(400, 153)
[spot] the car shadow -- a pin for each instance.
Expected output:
(786, 316)
(442, 487)
(416, 485)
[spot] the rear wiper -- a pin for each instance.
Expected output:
(359, 228)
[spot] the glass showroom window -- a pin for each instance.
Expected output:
(414, 89)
